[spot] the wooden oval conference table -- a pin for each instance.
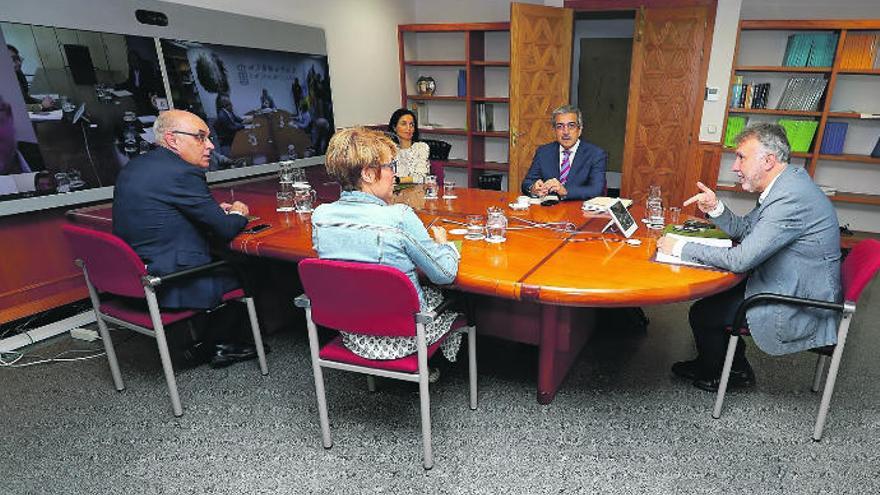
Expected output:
(540, 287)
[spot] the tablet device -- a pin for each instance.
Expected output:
(622, 219)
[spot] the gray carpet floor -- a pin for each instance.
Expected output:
(621, 424)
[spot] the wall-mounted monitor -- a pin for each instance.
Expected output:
(74, 106)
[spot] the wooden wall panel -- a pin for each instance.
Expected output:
(37, 271)
(704, 167)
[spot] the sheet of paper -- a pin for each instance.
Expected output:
(46, 116)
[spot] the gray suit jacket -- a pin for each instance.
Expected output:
(790, 244)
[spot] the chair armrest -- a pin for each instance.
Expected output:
(794, 301)
(155, 281)
(427, 317)
(303, 301)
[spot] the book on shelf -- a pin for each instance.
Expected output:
(735, 92)
(802, 93)
(859, 51)
(810, 50)
(833, 138)
(750, 95)
(735, 125)
(799, 133)
(485, 113)
(462, 83)
(421, 111)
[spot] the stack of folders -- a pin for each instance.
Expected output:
(749, 95)
(706, 241)
(810, 50)
(485, 114)
(802, 93)
(833, 139)
(859, 51)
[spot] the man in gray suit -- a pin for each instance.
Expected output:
(788, 244)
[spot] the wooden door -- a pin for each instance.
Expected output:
(540, 78)
(665, 102)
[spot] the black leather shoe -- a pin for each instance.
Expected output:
(689, 370)
(227, 354)
(738, 379)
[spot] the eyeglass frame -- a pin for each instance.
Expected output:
(201, 136)
(563, 125)
(392, 165)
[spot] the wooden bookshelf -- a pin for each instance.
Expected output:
(770, 111)
(783, 68)
(480, 64)
(758, 57)
(851, 158)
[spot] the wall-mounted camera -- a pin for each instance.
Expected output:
(151, 17)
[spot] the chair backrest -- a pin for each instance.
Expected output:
(112, 265)
(859, 267)
(363, 298)
(438, 150)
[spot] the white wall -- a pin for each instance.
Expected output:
(468, 10)
(720, 63)
(810, 9)
(361, 47)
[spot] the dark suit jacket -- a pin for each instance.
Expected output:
(586, 179)
(163, 209)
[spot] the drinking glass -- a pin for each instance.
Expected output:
(430, 187)
(449, 189)
(474, 228)
(496, 225)
(674, 215)
(63, 181)
(299, 176)
(654, 198)
(284, 201)
(656, 216)
(303, 197)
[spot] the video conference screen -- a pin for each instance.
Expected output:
(72, 103)
(76, 106)
(262, 105)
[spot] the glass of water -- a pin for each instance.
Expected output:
(674, 215)
(656, 215)
(449, 189)
(496, 225)
(284, 201)
(474, 228)
(430, 187)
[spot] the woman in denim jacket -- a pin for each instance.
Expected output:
(364, 226)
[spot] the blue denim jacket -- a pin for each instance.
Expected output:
(362, 227)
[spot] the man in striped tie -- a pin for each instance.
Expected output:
(569, 167)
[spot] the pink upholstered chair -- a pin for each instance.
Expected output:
(857, 271)
(112, 268)
(376, 300)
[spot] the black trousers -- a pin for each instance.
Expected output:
(708, 318)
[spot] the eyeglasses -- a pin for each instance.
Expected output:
(392, 165)
(559, 126)
(17, 58)
(200, 136)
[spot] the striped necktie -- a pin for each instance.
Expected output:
(565, 167)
